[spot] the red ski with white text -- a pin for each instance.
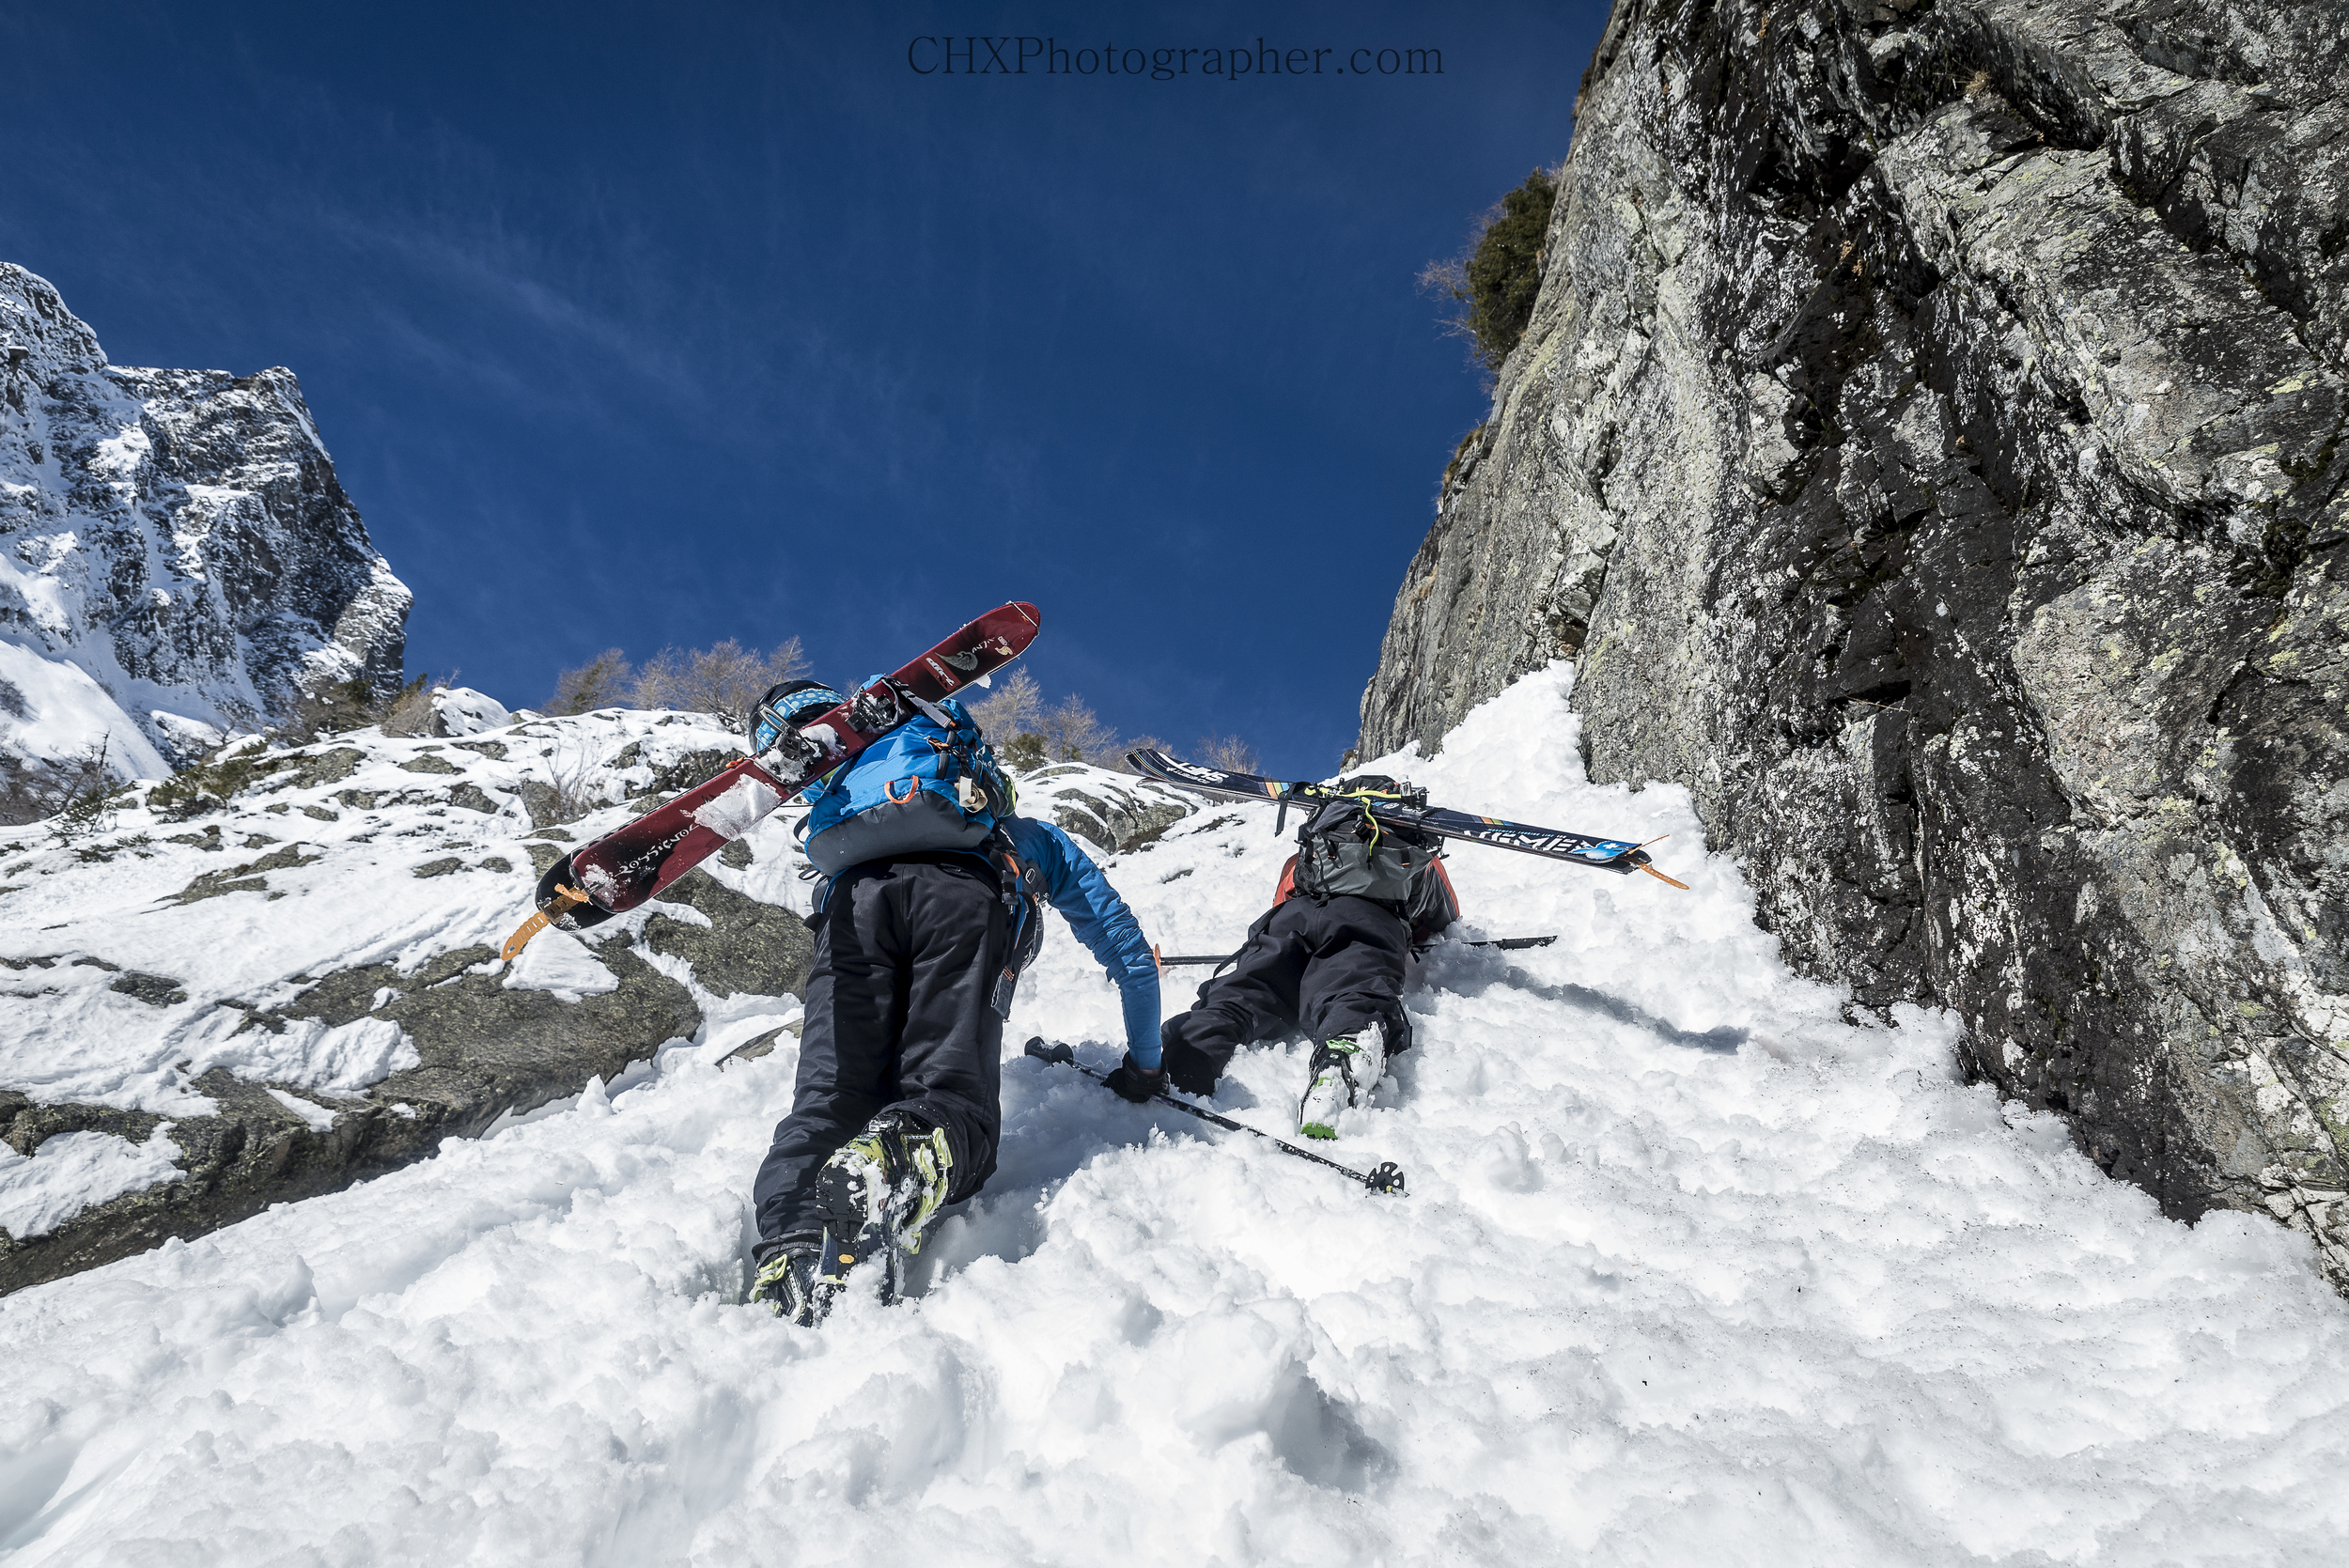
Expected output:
(623, 869)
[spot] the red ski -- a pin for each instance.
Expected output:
(621, 870)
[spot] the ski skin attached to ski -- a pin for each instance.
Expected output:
(1620, 855)
(623, 869)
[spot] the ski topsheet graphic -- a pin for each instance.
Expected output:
(1620, 855)
(622, 869)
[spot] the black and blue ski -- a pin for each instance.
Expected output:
(1620, 855)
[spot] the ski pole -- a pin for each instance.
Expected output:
(1386, 1177)
(1511, 942)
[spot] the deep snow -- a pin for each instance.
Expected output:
(1690, 1271)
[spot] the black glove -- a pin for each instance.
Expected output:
(1136, 1082)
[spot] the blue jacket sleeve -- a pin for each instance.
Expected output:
(1101, 920)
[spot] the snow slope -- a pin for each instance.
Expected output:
(1690, 1271)
(364, 850)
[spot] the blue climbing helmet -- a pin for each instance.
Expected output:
(786, 706)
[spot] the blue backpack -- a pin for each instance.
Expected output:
(922, 786)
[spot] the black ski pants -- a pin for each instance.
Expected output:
(1321, 969)
(899, 1013)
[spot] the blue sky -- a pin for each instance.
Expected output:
(636, 326)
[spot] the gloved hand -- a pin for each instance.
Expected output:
(1136, 1082)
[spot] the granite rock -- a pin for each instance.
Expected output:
(1927, 446)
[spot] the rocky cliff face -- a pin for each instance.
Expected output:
(1928, 444)
(175, 556)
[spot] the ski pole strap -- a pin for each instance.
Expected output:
(1386, 1177)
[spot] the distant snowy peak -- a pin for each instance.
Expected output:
(177, 557)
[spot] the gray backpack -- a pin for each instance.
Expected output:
(1342, 849)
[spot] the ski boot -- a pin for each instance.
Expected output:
(788, 1287)
(876, 1195)
(1345, 1070)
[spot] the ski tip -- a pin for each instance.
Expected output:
(1035, 616)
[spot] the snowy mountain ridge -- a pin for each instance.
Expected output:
(1691, 1270)
(176, 558)
(278, 974)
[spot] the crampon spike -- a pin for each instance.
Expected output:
(564, 899)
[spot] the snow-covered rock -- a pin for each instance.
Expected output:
(1108, 811)
(1689, 1271)
(70, 1172)
(292, 954)
(177, 557)
(461, 710)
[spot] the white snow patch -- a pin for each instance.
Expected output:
(319, 1118)
(340, 1058)
(1084, 792)
(558, 961)
(194, 736)
(458, 710)
(70, 925)
(72, 1170)
(66, 712)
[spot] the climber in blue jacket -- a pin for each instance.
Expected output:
(933, 906)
